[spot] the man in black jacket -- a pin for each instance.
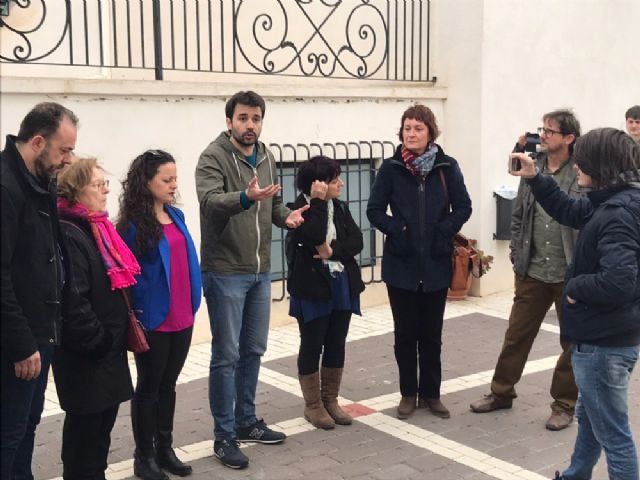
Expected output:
(32, 274)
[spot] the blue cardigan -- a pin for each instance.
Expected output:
(152, 292)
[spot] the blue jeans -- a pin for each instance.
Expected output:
(602, 375)
(239, 306)
(22, 404)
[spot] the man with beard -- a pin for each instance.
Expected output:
(32, 274)
(541, 250)
(239, 200)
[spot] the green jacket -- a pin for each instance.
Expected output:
(522, 221)
(235, 240)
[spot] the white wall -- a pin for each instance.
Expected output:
(115, 127)
(507, 62)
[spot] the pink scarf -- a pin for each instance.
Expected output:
(120, 263)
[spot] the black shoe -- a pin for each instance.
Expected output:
(228, 452)
(147, 468)
(558, 476)
(167, 459)
(259, 433)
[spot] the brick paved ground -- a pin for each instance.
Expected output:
(505, 444)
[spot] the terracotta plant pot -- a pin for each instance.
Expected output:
(462, 293)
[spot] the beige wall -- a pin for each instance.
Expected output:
(120, 119)
(507, 62)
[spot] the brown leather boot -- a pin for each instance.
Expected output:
(314, 411)
(435, 405)
(407, 407)
(331, 379)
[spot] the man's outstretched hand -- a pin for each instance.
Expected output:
(255, 193)
(295, 218)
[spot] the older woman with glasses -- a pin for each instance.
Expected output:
(166, 298)
(90, 367)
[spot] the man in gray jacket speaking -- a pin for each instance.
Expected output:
(541, 250)
(239, 201)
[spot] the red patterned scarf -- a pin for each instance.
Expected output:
(120, 263)
(419, 165)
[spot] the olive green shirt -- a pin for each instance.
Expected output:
(548, 261)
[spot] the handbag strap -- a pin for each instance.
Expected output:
(126, 300)
(446, 190)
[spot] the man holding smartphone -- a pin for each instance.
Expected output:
(541, 250)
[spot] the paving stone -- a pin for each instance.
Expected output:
(396, 472)
(376, 446)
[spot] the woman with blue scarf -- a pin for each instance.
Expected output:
(429, 203)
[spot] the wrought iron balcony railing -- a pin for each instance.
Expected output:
(361, 39)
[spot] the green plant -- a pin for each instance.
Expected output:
(484, 262)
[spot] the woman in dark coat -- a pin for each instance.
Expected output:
(90, 367)
(429, 204)
(601, 304)
(325, 285)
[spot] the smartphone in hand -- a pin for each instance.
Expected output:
(515, 164)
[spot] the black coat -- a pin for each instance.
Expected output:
(604, 276)
(30, 259)
(90, 368)
(309, 278)
(419, 232)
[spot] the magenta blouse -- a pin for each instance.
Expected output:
(180, 314)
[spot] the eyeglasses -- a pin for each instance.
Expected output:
(547, 132)
(101, 184)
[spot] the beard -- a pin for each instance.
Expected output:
(43, 167)
(240, 138)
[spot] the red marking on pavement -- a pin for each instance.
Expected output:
(357, 410)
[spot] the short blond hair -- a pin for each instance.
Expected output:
(74, 178)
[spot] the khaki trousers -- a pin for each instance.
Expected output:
(531, 303)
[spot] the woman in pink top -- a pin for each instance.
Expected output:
(166, 298)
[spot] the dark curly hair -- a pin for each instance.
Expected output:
(316, 168)
(136, 201)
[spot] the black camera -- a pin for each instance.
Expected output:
(532, 140)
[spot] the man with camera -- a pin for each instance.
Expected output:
(541, 250)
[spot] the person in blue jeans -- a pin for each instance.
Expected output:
(33, 273)
(239, 201)
(601, 303)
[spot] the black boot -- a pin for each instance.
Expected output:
(146, 467)
(167, 458)
(143, 420)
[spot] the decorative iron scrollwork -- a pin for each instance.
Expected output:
(362, 39)
(312, 48)
(23, 25)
